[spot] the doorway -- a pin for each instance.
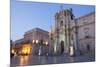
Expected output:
(62, 46)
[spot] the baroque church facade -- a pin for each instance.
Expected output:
(69, 34)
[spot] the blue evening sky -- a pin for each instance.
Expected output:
(28, 15)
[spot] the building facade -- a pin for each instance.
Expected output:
(86, 33)
(71, 35)
(39, 39)
(33, 40)
(36, 34)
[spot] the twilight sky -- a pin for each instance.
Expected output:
(28, 15)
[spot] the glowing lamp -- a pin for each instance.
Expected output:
(37, 41)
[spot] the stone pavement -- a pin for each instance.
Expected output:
(40, 60)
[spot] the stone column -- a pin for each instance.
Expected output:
(75, 36)
(68, 32)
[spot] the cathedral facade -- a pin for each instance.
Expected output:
(69, 34)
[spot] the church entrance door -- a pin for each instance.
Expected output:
(62, 46)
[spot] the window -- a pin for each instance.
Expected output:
(64, 13)
(61, 23)
(84, 23)
(88, 47)
(86, 32)
(72, 37)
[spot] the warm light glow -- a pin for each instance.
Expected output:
(24, 60)
(46, 43)
(37, 41)
(12, 51)
(26, 49)
(33, 41)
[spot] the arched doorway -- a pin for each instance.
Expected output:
(62, 46)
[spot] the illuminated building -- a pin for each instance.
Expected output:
(30, 44)
(72, 35)
(69, 35)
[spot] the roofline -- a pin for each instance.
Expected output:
(35, 29)
(85, 15)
